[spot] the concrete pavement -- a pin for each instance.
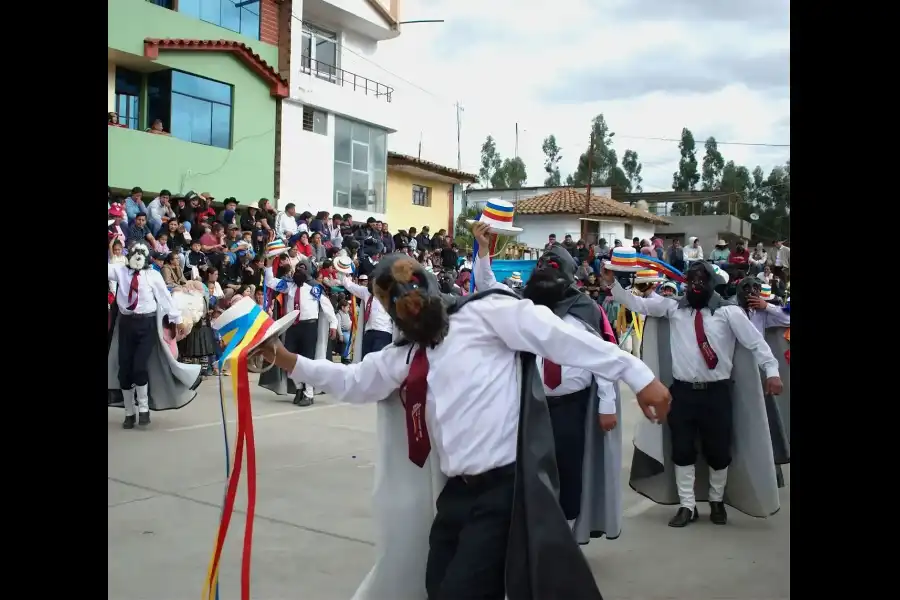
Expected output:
(313, 529)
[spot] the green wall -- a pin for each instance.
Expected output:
(153, 162)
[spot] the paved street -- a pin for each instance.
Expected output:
(314, 532)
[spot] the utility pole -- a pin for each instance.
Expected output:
(420, 146)
(459, 110)
(587, 196)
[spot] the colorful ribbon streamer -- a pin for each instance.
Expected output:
(660, 266)
(239, 337)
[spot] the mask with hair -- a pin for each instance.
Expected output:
(553, 275)
(746, 289)
(701, 282)
(138, 256)
(412, 298)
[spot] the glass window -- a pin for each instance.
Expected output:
(159, 98)
(200, 110)
(225, 13)
(127, 107)
(360, 166)
(420, 195)
(320, 51)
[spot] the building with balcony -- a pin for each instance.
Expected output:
(335, 124)
(206, 70)
(422, 193)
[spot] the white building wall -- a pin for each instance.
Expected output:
(537, 228)
(307, 159)
(110, 86)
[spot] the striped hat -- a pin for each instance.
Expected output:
(275, 248)
(765, 293)
(499, 215)
(648, 276)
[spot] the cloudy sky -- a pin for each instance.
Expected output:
(650, 66)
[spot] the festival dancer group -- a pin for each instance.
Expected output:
(509, 467)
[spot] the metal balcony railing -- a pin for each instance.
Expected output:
(343, 78)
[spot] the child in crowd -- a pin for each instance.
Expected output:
(196, 261)
(343, 316)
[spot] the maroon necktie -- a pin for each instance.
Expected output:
(412, 393)
(133, 291)
(709, 355)
(552, 374)
(368, 312)
(297, 303)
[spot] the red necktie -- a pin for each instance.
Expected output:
(369, 312)
(552, 374)
(297, 303)
(413, 392)
(133, 291)
(709, 355)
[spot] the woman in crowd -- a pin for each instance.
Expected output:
(319, 252)
(758, 259)
(211, 280)
(171, 271)
(303, 246)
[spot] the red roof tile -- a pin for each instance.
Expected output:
(569, 200)
(395, 158)
(278, 85)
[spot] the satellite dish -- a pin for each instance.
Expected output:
(754, 217)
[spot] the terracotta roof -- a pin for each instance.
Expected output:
(571, 201)
(278, 85)
(395, 158)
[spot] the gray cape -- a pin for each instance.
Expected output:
(171, 384)
(752, 487)
(779, 407)
(277, 380)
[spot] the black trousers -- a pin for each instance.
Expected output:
(374, 341)
(567, 414)
(137, 336)
(704, 413)
(467, 544)
(301, 338)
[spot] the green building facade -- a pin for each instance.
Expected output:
(213, 85)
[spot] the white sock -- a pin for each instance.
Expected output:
(717, 480)
(308, 391)
(128, 400)
(143, 400)
(684, 480)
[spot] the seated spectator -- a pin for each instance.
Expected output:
(584, 271)
(134, 204)
(162, 242)
(229, 214)
(303, 246)
(159, 212)
(116, 255)
(196, 262)
(113, 120)
(171, 271)
(318, 249)
(210, 278)
(157, 128)
(139, 232)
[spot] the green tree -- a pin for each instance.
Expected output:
(711, 172)
(490, 161)
(632, 166)
(511, 174)
(687, 176)
(736, 182)
(605, 169)
(553, 155)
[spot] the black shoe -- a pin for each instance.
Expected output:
(144, 418)
(717, 513)
(129, 422)
(298, 397)
(683, 517)
(304, 401)
(345, 361)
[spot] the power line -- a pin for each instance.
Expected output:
(662, 139)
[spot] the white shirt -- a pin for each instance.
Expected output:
(309, 305)
(379, 319)
(727, 325)
(156, 211)
(151, 292)
(472, 402)
(573, 379)
(783, 257)
(285, 225)
(692, 253)
(773, 316)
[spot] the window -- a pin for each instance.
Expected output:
(320, 52)
(315, 121)
(360, 165)
(421, 195)
(170, 4)
(237, 15)
(194, 109)
(128, 93)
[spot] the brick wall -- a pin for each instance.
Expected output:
(268, 21)
(284, 69)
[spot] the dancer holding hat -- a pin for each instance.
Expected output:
(472, 400)
(584, 409)
(717, 397)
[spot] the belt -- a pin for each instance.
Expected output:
(140, 316)
(553, 401)
(701, 385)
(489, 477)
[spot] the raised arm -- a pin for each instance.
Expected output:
(371, 380)
(279, 285)
(484, 276)
(654, 306)
(357, 290)
(750, 337)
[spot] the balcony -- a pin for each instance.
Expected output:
(346, 79)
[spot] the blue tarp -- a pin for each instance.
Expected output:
(504, 268)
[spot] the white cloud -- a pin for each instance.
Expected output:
(547, 65)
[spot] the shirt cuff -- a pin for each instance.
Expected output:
(772, 371)
(607, 407)
(297, 373)
(638, 376)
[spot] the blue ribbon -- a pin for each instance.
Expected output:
(242, 325)
(474, 259)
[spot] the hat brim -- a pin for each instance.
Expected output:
(346, 271)
(279, 327)
(622, 269)
(274, 253)
(649, 280)
(497, 230)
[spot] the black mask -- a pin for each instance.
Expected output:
(747, 288)
(553, 275)
(700, 284)
(412, 298)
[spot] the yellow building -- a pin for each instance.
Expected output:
(420, 193)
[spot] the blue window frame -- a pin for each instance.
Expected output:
(243, 19)
(128, 93)
(201, 110)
